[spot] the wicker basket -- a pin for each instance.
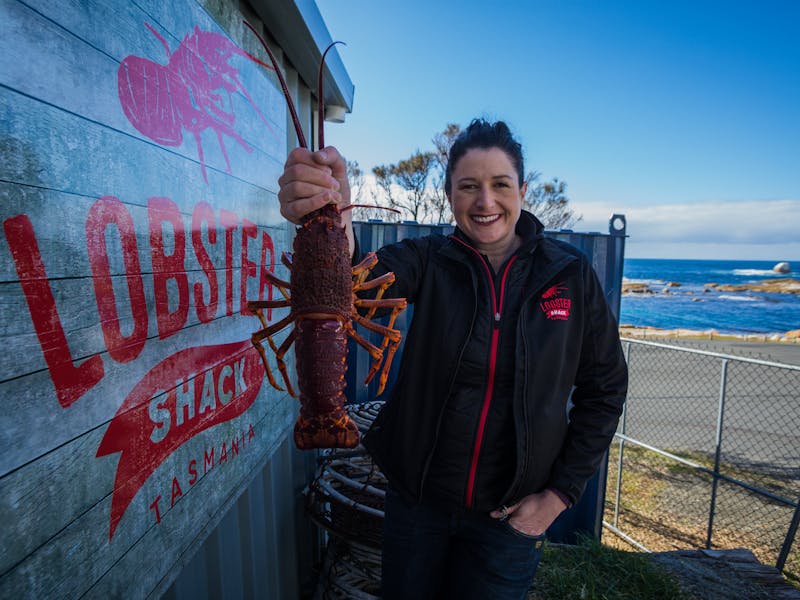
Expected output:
(346, 499)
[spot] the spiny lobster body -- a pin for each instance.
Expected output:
(322, 289)
(323, 307)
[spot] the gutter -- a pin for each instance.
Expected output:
(298, 28)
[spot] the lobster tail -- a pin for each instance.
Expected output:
(321, 355)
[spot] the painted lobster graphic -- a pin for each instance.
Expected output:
(192, 92)
(323, 307)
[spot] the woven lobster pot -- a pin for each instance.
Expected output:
(347, 496)
(350, 572)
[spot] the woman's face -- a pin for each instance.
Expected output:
(486, 198)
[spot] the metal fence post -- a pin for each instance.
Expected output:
(718, 451)
(787, 543)
(618, 495)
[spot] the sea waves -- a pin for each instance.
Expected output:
(757, 273)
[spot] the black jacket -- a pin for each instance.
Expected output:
(566, 338)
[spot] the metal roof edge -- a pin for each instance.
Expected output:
(301, 32)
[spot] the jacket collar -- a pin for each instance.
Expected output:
(528, 228)
(552, 257)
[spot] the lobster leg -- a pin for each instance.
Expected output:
(254, 305)
(279, 354)
(387, 332)
(362, 269)
(263, 355)
(377, 354)
(267, 334)
(373, 350)
(282, 285)
(384, 281)
(391, 340)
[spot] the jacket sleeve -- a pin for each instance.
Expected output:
(601, 384)
(407, 259)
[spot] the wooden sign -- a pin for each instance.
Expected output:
(140, 148)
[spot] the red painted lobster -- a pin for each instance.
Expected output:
(323, 307)
(192, 91)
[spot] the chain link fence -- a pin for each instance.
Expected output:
(707, 454)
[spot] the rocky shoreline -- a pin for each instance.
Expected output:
(783, 285)
(655, 333)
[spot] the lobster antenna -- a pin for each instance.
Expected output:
(351, 206)
(301, 138)
(320, 101)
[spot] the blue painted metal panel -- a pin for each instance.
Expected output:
(253, 552)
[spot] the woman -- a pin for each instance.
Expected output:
(508, 326)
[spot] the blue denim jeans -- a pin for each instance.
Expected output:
(431, 553)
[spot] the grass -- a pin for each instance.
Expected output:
(591, 571)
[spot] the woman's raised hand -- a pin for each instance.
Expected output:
(311, 180)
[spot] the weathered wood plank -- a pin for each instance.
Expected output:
(58, 231)
(78, 317)
(77, 70)
(69, 230)
(38, 148)
(32, 423)
(46, 572)
(61, 221)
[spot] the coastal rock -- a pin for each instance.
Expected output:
(655, 333)
(636, 288)
(669, 285)
(782, 267)
(785, 285)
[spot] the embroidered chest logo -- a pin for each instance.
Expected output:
(554, 306)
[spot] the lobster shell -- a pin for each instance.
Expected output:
(322, 285)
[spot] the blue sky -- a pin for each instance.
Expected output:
(684, 116)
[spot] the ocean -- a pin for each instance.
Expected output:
(688, 306)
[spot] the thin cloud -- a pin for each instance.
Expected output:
(759, 222)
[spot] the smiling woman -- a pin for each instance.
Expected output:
(486, 201)
(474, 440)
(484, 184)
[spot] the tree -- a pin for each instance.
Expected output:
(549, 202)
(356, 178)
(357, 190)
(411, 177)
(384, 195)
(440, 205)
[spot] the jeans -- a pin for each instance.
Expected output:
(431, 553)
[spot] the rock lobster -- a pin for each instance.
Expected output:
(323, 307)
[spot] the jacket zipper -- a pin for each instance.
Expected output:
(497, 308)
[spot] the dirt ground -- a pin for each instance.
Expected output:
(726, 574)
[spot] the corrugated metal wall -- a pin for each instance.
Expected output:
(265, 546)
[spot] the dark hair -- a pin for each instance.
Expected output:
(482, 134)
